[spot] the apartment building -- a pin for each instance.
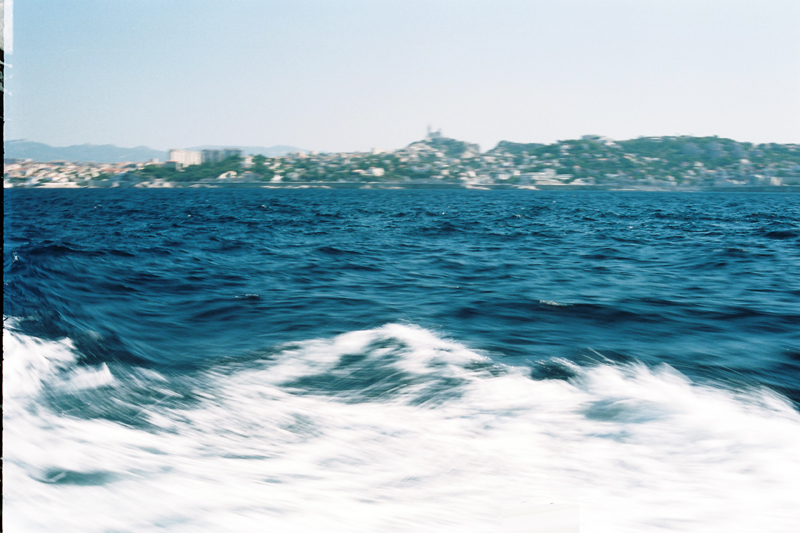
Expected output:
(185, 158)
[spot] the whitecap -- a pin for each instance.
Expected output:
(453, 443)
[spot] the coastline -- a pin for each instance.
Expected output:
(397, 186)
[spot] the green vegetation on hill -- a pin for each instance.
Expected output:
(452, 147)
(591, 160)
(204, 171)
(697, 160)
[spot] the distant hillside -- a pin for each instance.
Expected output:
(515, 148)
(449, 147)
(602, 154)
(107, 153)
(271, 151)
(683, 161)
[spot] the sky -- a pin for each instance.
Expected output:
(351, 75)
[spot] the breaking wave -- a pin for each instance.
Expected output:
(387, 429)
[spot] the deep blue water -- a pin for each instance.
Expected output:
(187, 284)
(709, 283)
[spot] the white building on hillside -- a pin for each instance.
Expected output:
(185, 157)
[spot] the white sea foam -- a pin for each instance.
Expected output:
(309, 439)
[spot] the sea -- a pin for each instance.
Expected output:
(399, 360)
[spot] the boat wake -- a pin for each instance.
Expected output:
(388, 429)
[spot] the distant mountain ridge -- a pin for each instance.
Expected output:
(79, 153)
(267, 151)
(109, 153)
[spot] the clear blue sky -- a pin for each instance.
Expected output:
(334, 75)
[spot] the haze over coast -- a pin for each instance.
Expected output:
(109, 153)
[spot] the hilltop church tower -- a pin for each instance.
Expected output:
(433, 134)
